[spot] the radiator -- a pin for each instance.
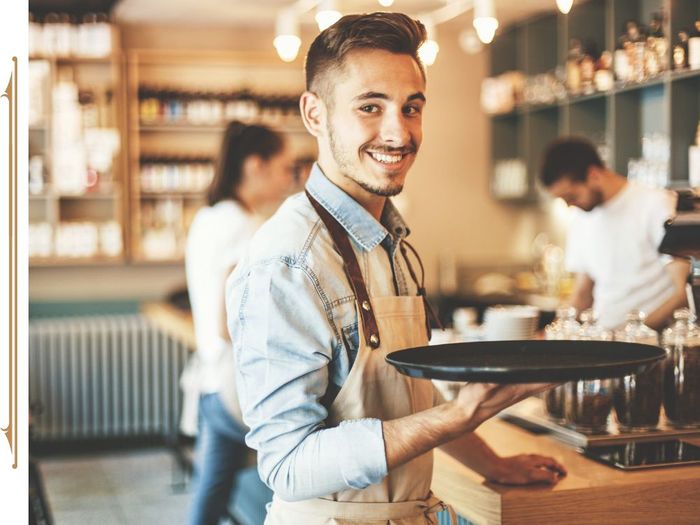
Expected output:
(103, 377)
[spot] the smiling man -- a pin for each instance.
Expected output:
(328, 290)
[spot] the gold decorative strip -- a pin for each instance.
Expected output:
(10, 93)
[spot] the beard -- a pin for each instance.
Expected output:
(346, 168)
(596, 200)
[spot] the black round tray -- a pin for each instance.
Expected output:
(525, 361)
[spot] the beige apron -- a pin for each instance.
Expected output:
(375, 389)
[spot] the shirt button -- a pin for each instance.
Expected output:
(374, 340)
(365, 306)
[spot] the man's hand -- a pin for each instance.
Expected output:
(525, 469)
(480, 401)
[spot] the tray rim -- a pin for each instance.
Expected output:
(525, 374)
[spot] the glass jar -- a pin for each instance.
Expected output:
(565, 326)
(637, 398)
(682, 371)
(587, 403)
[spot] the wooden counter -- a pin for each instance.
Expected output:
(173, 321)
(592, 493)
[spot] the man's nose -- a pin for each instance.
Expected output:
(394, 129)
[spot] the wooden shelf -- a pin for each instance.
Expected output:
(168, 261)
(107, 59)
(102, 75)
(75, 261)
(194, 71)
(88, 196)
(171, 195)
(181, 128)
(210, 128)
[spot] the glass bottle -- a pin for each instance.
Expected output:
(682, 371)
(637, 398)
(565, 326)
(694, 47)
(658, 43)
(587, 403)
(621, 60)
(680, 50)
(573, 67)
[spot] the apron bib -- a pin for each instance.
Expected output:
(375, 389)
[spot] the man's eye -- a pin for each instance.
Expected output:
(412, 110)
(369, 108)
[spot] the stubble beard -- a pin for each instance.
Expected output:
(596, 200)
(346, 169)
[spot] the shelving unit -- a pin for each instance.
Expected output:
(52, 203)
(617, 119)
(192, 72)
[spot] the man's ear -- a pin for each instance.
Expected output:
(312, 113)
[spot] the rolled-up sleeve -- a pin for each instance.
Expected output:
(284, 340)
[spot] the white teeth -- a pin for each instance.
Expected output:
(386, 159)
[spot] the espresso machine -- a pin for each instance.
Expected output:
(682, 239)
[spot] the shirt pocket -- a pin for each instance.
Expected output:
(351, 340)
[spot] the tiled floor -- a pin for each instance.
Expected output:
(120, 488)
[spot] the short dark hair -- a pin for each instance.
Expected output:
(568, 157)
(240, 142)
(394, 32)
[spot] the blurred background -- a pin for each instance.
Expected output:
(128, 103)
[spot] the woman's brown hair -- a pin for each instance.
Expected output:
(240, 142)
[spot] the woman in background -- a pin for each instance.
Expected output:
(254, 172)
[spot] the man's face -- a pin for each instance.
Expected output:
(576, 193)
(374, 123)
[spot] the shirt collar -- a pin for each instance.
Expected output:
(357, 221)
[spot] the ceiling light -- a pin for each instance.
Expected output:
(485, 21)
(386, 3)
(327, 14)
(429, 49)
(287, 41)
(565, 5)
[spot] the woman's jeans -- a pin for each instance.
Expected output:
(220, 453)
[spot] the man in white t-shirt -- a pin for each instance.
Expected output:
(613, 239)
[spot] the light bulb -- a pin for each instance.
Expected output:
(485, 21)
(565, 5)
(327, 18)
(287, 46)
(428, 52)
(486, 29)
(327, 14)
(386, 3)
(287, 41)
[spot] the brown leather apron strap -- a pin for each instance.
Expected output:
(353, 272)
(430, 313)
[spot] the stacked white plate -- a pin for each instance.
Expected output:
(507, 323)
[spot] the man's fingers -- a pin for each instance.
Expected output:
(542, 474)
(550, 463)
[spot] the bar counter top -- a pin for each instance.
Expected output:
(592, 493)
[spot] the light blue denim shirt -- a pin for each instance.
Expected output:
(294, 327)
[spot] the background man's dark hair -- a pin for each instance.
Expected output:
(568, 157)
(394, 32)
(240, 142)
